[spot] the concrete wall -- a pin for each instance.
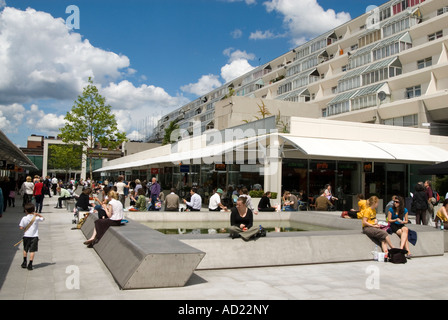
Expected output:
(346, 243)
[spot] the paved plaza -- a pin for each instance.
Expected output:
(66, 270)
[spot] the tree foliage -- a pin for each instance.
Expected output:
(66, 158)
(91, 122)
(173, 126)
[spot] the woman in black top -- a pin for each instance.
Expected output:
(83, 202)
(242, 221)
(265, 203)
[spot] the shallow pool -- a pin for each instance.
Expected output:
(214, 227)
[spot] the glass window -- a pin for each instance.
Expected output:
(424, 63)
(413, 92)
(435, 35)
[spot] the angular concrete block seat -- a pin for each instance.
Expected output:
(141, 258)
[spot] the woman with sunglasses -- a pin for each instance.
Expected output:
(398, 218)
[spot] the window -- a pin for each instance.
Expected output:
(364, 102)
(397, 27)
(402, 5)
(293, 70)
(442, 11)
(338, 108)
(413, 92)
(284, 88)
(385, 14)
(334, 90)
(375, 76)
(424, 63)
(369, 38)
(434, 36)
(360, 59)
(348, 84)
(406, 121)
(394, 71)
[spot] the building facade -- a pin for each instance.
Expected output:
(388, 66)
(362, 108)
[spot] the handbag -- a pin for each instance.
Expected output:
(12, 194)
(397, 256)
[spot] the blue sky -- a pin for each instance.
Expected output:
(147, 57)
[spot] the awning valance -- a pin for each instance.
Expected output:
(354, 149)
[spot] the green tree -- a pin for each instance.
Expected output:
(173, 126)
(91, 122)
(65, 157)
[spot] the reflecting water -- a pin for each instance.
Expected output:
(222, 227)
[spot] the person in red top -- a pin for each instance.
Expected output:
(39, 195)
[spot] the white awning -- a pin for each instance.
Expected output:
(313, 147)
(354, 149)
(209, 154)
(418, 153)
(350, 149)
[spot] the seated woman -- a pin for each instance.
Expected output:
(115, 213)
(99, 207)
(371, 228)
(442, 214)
(140, 202)
(265, 203)
(242, 221)
(398, 218)
(83, 202)
(356, 214)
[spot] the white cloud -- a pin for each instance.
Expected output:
(235, 69)
(235, 55)
(41, 59)
(263, 35)
(125, 95)
(38, 120)
(236, 34)
(2, 4)
(238, 64)
(306, 19)
(248, 2)
(11, 117)
(132, 104)
(43, 62)
(205, 84)
(15, 118)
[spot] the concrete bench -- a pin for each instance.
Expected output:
(69, 204)
(345, 244)
(141, 258)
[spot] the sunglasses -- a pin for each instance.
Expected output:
(397, 202)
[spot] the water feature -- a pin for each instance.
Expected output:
(214, 227)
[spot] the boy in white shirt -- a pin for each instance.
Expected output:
(30, 224)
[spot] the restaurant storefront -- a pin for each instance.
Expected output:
(361, 158)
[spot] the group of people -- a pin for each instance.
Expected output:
(397, 216)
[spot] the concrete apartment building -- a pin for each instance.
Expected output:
(389, 66)
(363, 107)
